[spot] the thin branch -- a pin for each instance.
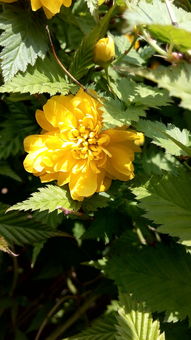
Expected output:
(64, 68)
(50, 313)
(81, 310)
(153, 43)
(171, 13)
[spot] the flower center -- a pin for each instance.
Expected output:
(86, 143)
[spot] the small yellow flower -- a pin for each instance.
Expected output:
(104, 50)
(74, 149)
(50, 7)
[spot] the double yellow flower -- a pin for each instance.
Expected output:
(74, 149)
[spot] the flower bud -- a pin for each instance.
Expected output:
(104, 50)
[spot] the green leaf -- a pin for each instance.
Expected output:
(48, 198)
(23, 40)
(156, 13)
(167, 202)
(134, 323)
(45, 76)
(96, 202)
(157, 275)
(19, 123)
(175, 141)
(116, 114)
(131, 92)
(180, 38)
(83, 57)
(176, 79)
(155, 162)
(19, 228)
(6, 170)
(102, 329)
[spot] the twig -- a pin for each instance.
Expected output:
(64, 68)
(153, 43)
(171, 13)
(50, 313)
(81, 310)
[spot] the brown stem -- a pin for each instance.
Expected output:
(81, 310)
(64, 68)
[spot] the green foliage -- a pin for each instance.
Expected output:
(102, 329)
(153, 274)
(135, 238)
(23, 41)
(175, 79)
(134, 323)
(167, 201)
(126, 320)
(18, 228)
(83, 58)
(18, 123)
(169, 137)
(45, 76)
(48, 198)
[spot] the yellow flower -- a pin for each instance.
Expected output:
(104, 50)
(74, 149)
(50, 7)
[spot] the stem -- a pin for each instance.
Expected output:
(82, 309)
(127, 51)
(15, 275)
(50, 313)
(171, 13)
(64, 68)
(153, 43)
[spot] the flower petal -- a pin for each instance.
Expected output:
(83, 185)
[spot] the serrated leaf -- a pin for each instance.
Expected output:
(19, 228)
(176, 79)
(156, 12)
(45, 76)
(167, 202)
(155, 162)
(6, 170)
(83, 57)
(170, 137)
(134, 323)
(158, 21)
(159, 276)
(131, 92)
(18, 124)
(96, 202)
(101, 329)
(116, 114)
(23, 40)
(48, 198)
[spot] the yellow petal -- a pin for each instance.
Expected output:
(103, 182)
(42, 121)
(83, 185)
(48, 177)
(36, 4)
(35, 143)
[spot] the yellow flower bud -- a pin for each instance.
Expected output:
(104, 50)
